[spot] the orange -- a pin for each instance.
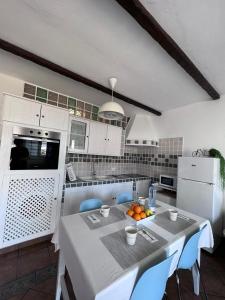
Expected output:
(133, 206)
(130, 212)
(137, 209)
(137, 217)
(143, 215)
(142, 207)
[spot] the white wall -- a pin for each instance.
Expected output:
(201, 124)
(15, 70)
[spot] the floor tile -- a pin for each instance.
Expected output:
(46, 273)
(17, 297)
(9, 255)
(47, 286)
(17, 287)
(213, 282)
(34, 295)
(33, 261)
(8, 268)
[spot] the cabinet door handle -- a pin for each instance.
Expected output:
(105, 139)
(87, 136)
(42, 116)
(37, 115)
(108, 139)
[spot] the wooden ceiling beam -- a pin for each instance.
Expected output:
(149, 23)
(72, 75)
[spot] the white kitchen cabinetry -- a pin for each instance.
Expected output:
(93, 137)
(113, 143)
(19, 110)
(166, 196)
(106, 192)
(28, 207)
(54, 117)
(97, 138)
(78, 136)
(73, 198)
(32, 113)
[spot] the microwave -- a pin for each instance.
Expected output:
(168, 182)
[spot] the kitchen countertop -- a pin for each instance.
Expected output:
(110, 179)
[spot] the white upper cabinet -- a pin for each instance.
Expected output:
(113, 144)
(54, 117)
(93, 137)
(104, 139)
(20, 110)
(97, 138)
(78, 136)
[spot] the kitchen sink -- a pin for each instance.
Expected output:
(97, 177)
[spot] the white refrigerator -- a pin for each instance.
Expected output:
(199, 191)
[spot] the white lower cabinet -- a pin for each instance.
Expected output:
(106, 192)
(142, 188)
(28, 207)
(73, 198)
(166, 197)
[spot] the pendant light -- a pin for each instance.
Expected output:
(111, 110)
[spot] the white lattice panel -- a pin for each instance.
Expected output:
(30, 205)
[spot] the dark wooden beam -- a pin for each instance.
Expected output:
(149, 23)
(65, 72)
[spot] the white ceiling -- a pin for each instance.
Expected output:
(98, 39)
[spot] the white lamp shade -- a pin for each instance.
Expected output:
(111, 111)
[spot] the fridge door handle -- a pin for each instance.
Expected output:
(185, 179)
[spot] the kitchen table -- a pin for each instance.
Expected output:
(101, 270)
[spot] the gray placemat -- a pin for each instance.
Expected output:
(127, 255)
(115, 215)
(181, 224)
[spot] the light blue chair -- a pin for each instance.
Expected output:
(90, 204)
(152, 283)
(189, 258)
(124, 197)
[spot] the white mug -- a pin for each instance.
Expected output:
(141, 200)
(131, 235)
(104, 211)
(173, 214)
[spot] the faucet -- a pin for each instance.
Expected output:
(93, 172)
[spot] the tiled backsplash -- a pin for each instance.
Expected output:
(76, 106)
(149, 161)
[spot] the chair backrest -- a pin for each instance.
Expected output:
(124, 197)
(189, 254)
(152, 283)
(90, 204)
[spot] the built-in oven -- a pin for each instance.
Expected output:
(34, 149)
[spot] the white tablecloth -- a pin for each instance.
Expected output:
(95, 274)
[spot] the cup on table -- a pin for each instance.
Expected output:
(141, 200)
(131, 235)
(104, 210)
(173, 214)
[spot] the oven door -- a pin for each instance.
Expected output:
(167, 181)
(29, 153)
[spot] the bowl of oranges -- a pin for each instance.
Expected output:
(139, 213)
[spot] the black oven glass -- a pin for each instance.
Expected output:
(167, 181)
(34, 153)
